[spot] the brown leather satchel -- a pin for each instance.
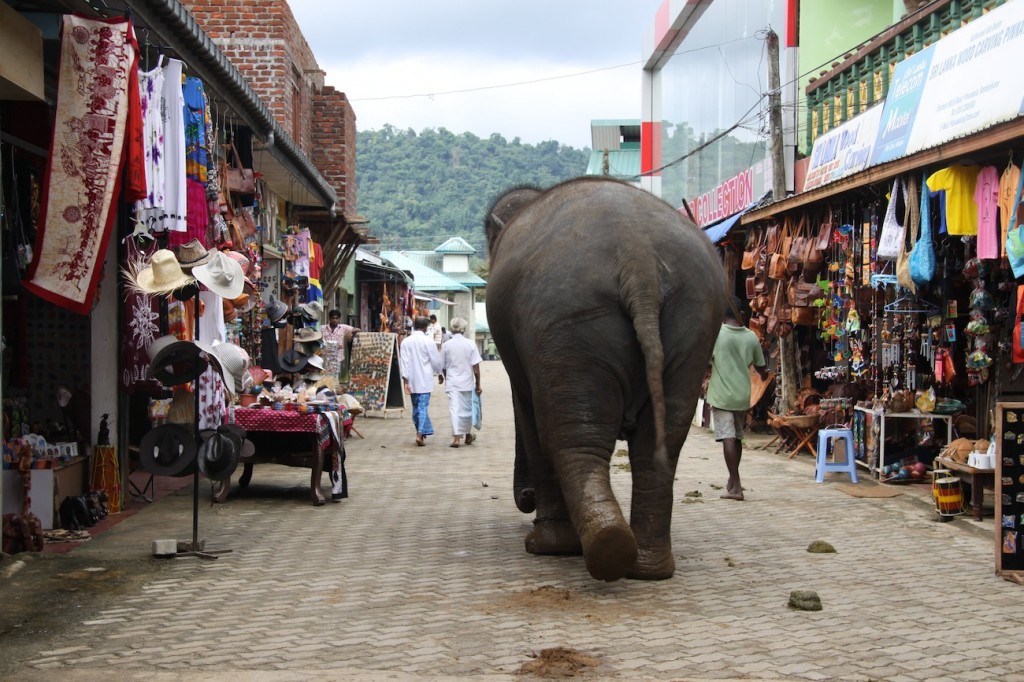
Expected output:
(777, 268)
(751, 250)
(240, 180)
(806, 316)
(803, 294)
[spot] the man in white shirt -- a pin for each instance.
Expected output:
(419, 361)
(434, 331)
(462, 379)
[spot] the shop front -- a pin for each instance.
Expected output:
(150, 210)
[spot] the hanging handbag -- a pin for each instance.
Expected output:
(777, 266)
(892, 234)
(240, 180)
(825, 233)
(922, 255)
(750, 252)
(910, 221)
(1014, 237)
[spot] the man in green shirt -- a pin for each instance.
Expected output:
(736, 349)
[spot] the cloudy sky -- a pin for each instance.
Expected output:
(399, 62)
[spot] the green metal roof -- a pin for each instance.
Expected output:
(433, 260)
(623, 164)
(424, 278)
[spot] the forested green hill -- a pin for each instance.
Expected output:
(419, 189)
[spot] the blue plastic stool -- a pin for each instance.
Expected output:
(830, 436)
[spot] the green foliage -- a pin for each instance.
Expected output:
(419, 189)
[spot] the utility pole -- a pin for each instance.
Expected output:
(787, 344)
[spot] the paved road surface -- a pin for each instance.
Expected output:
(421, 574)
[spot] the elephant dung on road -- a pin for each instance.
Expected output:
(605, 304)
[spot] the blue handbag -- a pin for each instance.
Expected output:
(922, 255)
(1014, 237)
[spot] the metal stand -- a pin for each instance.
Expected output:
(195, 548)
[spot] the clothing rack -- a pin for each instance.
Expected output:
(911, 304)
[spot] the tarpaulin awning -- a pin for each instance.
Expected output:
(428, 297)
(716, 231)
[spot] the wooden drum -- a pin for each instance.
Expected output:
(949, 498)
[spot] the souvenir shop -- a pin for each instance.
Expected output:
(899, 300)
(133, 243)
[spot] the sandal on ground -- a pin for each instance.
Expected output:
(470, 438)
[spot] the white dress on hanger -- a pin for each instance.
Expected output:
(170, 214)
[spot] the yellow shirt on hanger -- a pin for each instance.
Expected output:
(961, 210)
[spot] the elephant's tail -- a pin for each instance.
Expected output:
(640, 289)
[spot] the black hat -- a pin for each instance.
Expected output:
(219, 454)
(168, 450)
(293, 361)
(248, 448)
(173, 362)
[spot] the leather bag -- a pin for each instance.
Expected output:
(777, 268)
(240, 180)
(751, 250)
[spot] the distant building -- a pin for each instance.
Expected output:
(615, 149)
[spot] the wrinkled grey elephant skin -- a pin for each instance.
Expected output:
(605, 304)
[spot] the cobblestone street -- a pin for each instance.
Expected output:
(421, 574)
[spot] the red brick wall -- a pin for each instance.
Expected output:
(334, 145)
(266, 45)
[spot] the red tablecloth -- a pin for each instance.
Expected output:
(284, 421)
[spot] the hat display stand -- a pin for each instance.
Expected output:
(196, 547)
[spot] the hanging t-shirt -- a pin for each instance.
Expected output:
(1007, 193)
(302, 242)
(194, 114)
(961, 213)
(316, 260)
(986, 195)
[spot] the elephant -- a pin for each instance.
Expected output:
(605, 304)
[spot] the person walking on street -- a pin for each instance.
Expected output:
(492, 350)
(736, 349)
(434, 331)
(461, 362)
(419, 361)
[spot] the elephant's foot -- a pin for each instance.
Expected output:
(611, 553)
(553, 536)
(653, 564)
(526, 500)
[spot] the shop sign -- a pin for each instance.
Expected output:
(961, 84)
(844, 150)
(733, 195)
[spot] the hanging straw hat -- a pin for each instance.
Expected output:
(312, 311)
(168, 450)
(219, 454)
(276, 310)
(173, 362)
(162, 275)
(221, 275)
(308, 335)
(232, 363)
(191, 254)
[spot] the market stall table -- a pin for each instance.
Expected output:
(979, 480)
(273, 434)
(883, 415)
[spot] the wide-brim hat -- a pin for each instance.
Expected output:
(232, 362)
(312, 311)
(163, 275)
(293, 361)
(248, 447)
(168, 450)
(316, 362)
(173, 362)
(276, 310)
(308, 335)
(191, 254)
(221, 275)
(219, 454)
